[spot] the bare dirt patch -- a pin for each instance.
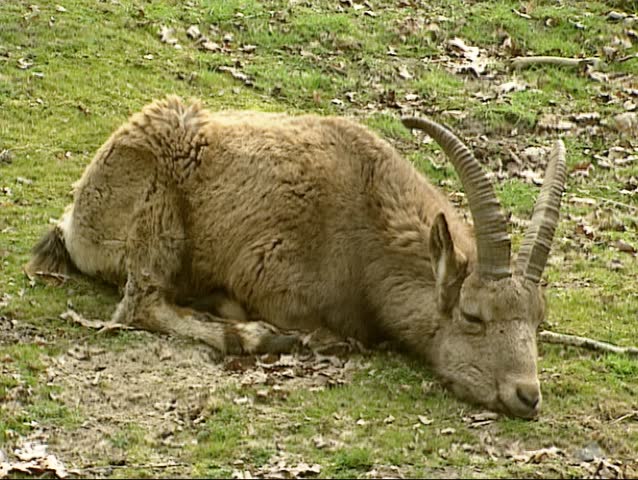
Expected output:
(152, 395)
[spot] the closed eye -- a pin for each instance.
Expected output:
(472, 319)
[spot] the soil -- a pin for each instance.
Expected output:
(165, 386)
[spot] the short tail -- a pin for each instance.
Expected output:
(50, 255)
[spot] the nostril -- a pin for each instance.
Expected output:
(529, 395)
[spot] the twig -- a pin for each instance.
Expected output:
(608, 200)
(625, 417)
(524, 62)
(584, 342)
(137, 466)
(627, 57)
(95, 324)
(521, 14)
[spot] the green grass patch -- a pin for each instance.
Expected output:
(94, 64)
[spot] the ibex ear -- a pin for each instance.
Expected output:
(448, 264)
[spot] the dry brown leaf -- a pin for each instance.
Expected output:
(280, 467)
(167, 35)
(511, 86)
(248, 48)
(627, 123)
(465, 50)
(241, 400)
(623, 246)
(329, 444)
(404, 73)
(534, 155)
(236, 74)
(583, 228)
(425, 420)
(210, 46)
(31, 451)
(551, 121)
(616, 16)
(530, 176)
(193, 32)
(536, 456)
(384, 471)
(34, 460)
(582, 200)
(603, 468)
(24, 64)
(586, 117)
(481, 417)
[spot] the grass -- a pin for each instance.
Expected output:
(96, 63)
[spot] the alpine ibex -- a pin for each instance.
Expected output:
(295, 223)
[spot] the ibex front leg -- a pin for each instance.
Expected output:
(156, 251)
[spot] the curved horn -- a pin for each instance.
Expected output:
(534, 250)
(492, 240)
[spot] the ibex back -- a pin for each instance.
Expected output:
(296, 223)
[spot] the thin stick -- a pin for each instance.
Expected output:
(608, 200)
(524, 62)
(137, 466)
(628, 57)
(625, 417)
(584, 342)
(95, 324)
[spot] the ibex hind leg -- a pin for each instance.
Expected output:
(156, 249)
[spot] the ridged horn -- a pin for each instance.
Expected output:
(537, 242)
(492, 240)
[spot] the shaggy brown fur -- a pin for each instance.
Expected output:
(301, 223)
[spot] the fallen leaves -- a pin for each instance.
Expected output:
(280, 466)
(223, 43)
(625, 247)
(384, 471)
(270, 377)
(236, 74)
(320, 442)
(167, 35)
(273, 373)
(535, 456)
(478, 420)
(469, 58)
(553, 122)
(33, 459)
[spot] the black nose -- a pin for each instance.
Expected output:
(529, 395)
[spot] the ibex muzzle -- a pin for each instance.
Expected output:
(303, 223)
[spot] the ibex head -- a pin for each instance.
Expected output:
(485, 349)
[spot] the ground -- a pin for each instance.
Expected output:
(127, 403)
